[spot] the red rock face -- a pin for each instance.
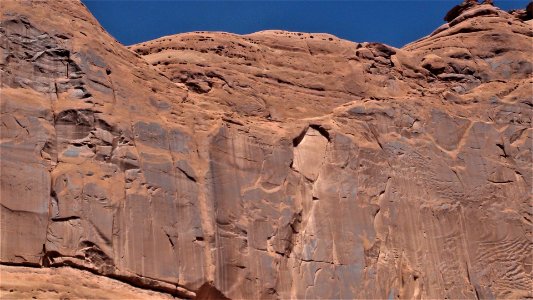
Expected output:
(272, 165)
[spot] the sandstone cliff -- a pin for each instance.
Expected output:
(273, 165)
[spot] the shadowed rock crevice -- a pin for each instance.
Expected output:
(208, 292)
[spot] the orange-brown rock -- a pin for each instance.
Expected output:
(66, 283)
(271, 165)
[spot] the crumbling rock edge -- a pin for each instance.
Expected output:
(138, 282)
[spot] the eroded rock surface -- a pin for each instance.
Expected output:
(66, 283)
(273, 165)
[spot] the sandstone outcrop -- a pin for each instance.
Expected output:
(272, 165)
(19, 282)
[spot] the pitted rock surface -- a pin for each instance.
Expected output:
(273, 165)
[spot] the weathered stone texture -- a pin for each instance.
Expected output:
(273, 165)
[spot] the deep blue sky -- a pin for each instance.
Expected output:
(394, 22)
